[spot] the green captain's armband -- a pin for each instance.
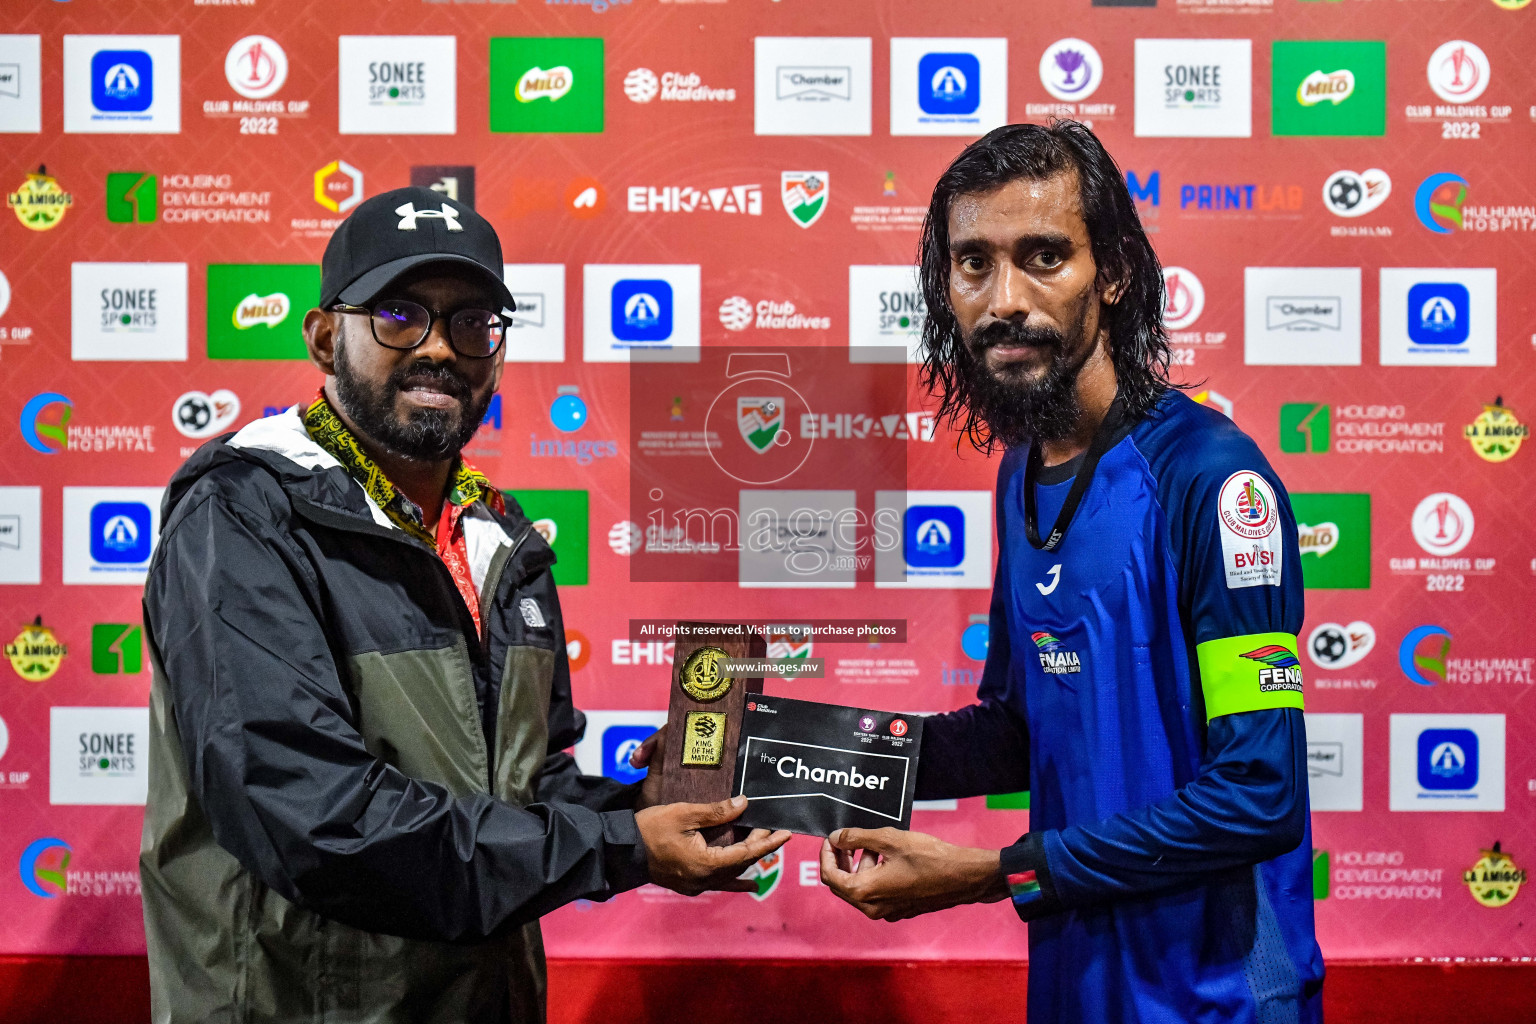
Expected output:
(1249, 673)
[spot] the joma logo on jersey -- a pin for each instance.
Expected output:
(1055, 659)
(1281, 672)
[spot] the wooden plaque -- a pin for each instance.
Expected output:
(704, 717)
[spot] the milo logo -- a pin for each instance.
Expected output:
(1317, 540)
(537, 83)
(254, 310)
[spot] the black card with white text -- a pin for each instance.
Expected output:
(815, 768)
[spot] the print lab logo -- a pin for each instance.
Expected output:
(256, 67)
(1459, 71)
(1351, 194)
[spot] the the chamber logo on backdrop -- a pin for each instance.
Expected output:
(537, 332)
(642, 85)
(817, 85)
(122, 84)
(1335, 761)
(552, 84)
(256, 310)
(886, 313)
(456, 181)
(38, 202)
(21, 64)
(1447, 762)
(630, 306)
(1194, 88)
(21, 518)
(109, 533)
(1328, 87)
(1301, 316)
(128, 311)
(397, 85)
(948, 86)
(1439, 317)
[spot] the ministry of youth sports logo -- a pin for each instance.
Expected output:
(1248, 506)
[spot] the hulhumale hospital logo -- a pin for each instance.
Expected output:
(1438, 202)
(45, 867)
(44, 427)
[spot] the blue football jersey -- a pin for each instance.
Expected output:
(1142, 681)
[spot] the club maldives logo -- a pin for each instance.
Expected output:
(45, 867)
(40, 435)
(39, 202)
(1496, 435)
(805, 195)
(1495, 879)
(1438, 202)
(1247, 506)
(1281, 671)
(1055, 659)
(36, 653)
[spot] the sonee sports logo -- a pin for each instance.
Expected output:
(1281, 672)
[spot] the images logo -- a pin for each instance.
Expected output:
(1334, 646)
(1443, 524)
(1305, 427)
(949, 83)
(48, 438)
(1494, 880)
(1334, 538)
(132, 197)
(45, 867)
(1282, 671)
(1055, 659)
(122, 81)
(1349, 194)
(39, 203)
(934, 536)
(1071, 69)
(250, 309)
(36, 653)
(804, 194)
(546, 84)
(1414, 665)
(1185, 298)
(1496, 435)
(117, 648)
(1459, 71)
(338, 186)
(256, 67)
(1328, 87)
(1438, 202)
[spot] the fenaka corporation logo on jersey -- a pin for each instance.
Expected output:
(1281, 671)
(1055, 658)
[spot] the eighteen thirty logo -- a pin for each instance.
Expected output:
(1281, 670)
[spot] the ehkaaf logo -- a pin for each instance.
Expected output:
(1281, 670)
(1055, 659)
(747, 199)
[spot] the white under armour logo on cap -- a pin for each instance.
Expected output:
(408, 215)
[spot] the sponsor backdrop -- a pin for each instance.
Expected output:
(1340, 191)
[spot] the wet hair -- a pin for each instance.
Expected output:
(1138, 341)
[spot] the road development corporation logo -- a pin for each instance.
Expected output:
(1281, 671)
(256, 67)
(1071, 69)
(1185, 298)
(1496, 434)
(122, 84)
(1495, 880)
(45, 867)
(804, 194)
(1459, 71)
(1335, 646)
(1055, 658)
(338, 186)
(38, 202)
(1443, 524)
(1355, 194)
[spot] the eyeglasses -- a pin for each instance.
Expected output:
(403, 324)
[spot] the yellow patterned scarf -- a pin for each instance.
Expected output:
(466, 484)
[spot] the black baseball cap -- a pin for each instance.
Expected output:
(397, 232)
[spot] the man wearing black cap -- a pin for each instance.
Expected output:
(360, 801)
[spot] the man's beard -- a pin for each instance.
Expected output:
(1017, 408)
(427, 434)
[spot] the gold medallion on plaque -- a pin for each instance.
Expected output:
(702, 677)
(704, 739)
